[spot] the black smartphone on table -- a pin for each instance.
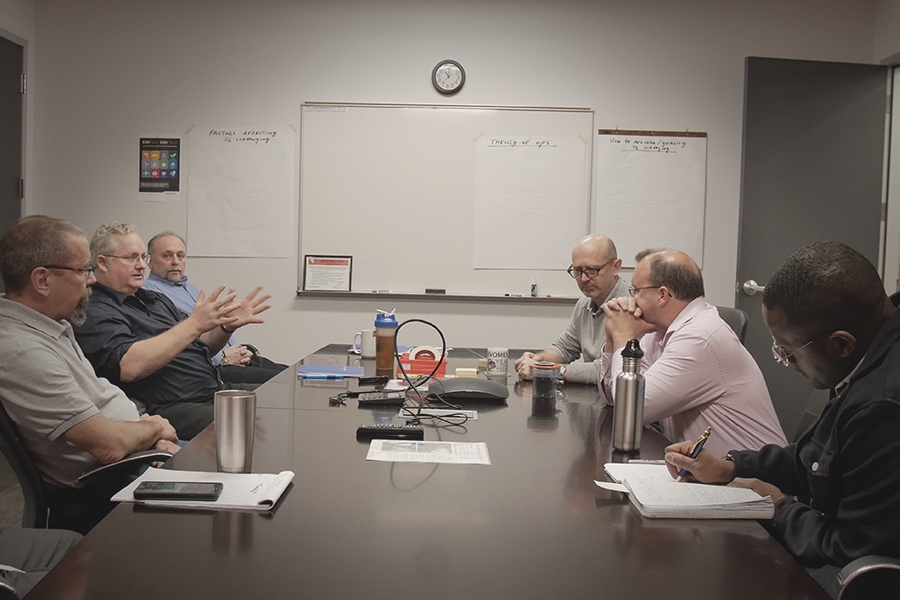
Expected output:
(177, 490)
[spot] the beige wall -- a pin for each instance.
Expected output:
(109, 72)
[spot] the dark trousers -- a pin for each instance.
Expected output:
(188, 417)
(80, 509)
(260, 370)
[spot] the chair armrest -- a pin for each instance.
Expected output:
(130, 461)
(869, 577)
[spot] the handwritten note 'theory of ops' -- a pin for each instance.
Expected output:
(498, 142)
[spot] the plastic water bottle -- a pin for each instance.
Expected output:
(385, 332)
(628, 413)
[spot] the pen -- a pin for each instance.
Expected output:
(695, 450)
(329, 377)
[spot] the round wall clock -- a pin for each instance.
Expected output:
(448, 76)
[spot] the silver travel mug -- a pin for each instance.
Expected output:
(235, 424)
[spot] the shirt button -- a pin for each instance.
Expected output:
(815, 467)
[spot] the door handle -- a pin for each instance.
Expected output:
(751, 288)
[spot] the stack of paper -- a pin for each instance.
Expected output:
(247, 491)
(656, 495)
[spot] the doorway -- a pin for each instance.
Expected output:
(12, 67)
(813, 156)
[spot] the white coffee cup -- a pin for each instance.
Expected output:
(497, 361)
(365, 339)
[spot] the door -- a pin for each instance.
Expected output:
(11, 70)
(813, 156)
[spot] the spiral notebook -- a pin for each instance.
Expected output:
(655, 494)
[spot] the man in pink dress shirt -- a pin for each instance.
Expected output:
(697, 372)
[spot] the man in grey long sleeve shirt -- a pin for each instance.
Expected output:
(595, 266)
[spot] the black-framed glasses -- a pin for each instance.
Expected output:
(86, 271)
(591, 272)
(632, 289)
(782, 356)
(133, 258)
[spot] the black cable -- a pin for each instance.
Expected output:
(437, 366)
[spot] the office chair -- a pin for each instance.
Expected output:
(35, 511)
(869, 578)
(736, 319)
(7, 592)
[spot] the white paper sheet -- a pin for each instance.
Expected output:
(454, 453)
(531, 198)
(240, 191)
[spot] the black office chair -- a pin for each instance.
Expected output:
(7, 592)
(869, 578)
(736, 319)
(35, 511)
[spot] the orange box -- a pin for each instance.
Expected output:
(421, 366)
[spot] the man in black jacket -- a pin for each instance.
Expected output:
(836, 488)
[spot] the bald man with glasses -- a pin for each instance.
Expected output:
(595, 267)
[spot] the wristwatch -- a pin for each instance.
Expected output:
(224, 361)
(563, 369)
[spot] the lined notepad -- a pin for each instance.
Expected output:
(656, 495)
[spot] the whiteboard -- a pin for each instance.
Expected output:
(470, 199)
(651, 191)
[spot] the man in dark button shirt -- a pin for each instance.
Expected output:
(139, 341)
(836, 488)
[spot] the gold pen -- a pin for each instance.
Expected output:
(695, 450)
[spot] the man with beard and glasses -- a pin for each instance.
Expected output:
(70, 420)
(237, 363)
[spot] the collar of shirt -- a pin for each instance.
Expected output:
(615, 292)
(155, 278)
(119, 298)
(19, 312)
(842, 385)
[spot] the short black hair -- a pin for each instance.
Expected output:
(825, 286)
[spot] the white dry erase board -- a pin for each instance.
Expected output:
(472, 200)
(651, 191)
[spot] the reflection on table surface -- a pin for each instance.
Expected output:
(531, 525)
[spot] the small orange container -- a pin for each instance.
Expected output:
(421, 366)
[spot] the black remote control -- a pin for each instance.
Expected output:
(389, 431)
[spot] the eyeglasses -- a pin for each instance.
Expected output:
(86, 271)
(591, 272)
(781, 355)
(632, 289)
(133, 259)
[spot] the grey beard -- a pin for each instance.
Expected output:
(79, 315)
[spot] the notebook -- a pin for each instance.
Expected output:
(331, 371)
(656, 495)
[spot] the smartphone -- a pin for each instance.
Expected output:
(177, 490)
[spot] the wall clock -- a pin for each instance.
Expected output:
(448, 76)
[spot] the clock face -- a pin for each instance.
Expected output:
(448, 76)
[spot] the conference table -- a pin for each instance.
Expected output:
(532, 524)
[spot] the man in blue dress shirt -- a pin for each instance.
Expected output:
(237, 364)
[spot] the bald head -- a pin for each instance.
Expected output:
(675, 270)
(598, 246)
(597, 254)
